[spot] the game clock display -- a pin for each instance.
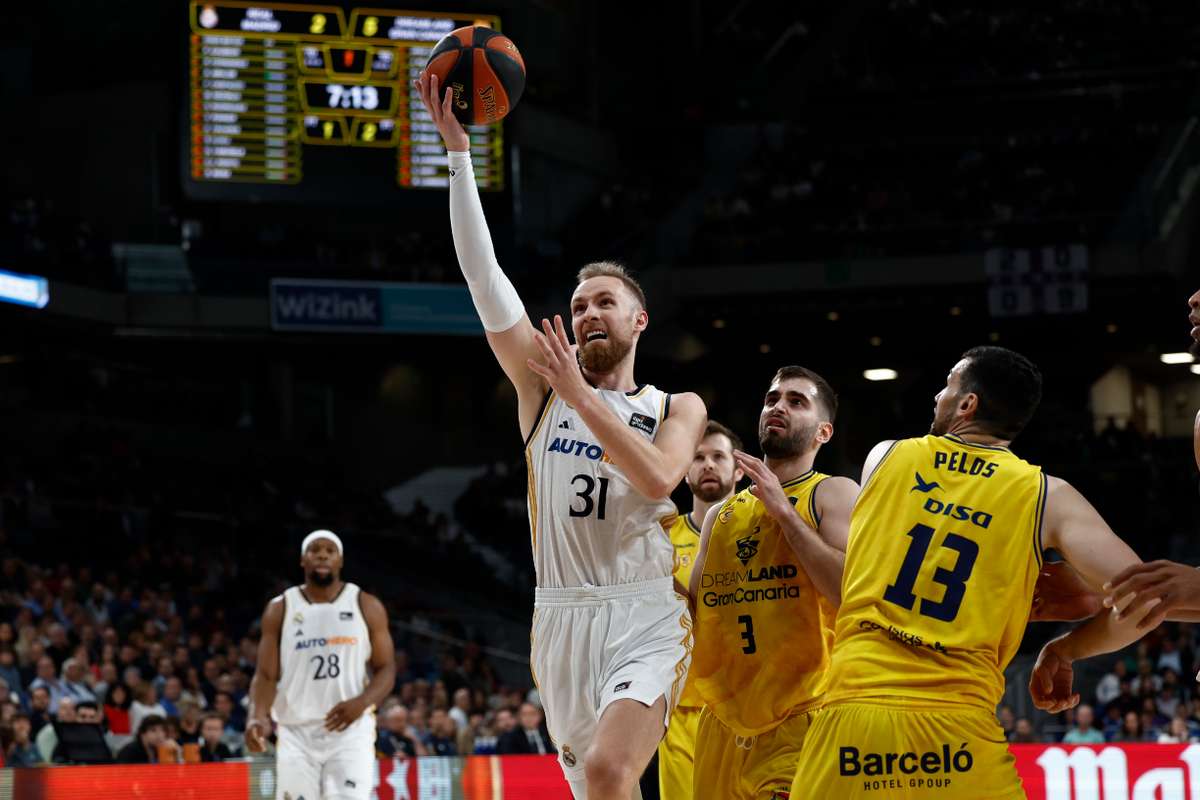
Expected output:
(273, 88)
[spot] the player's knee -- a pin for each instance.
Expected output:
(608, 774)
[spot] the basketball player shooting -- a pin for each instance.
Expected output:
(611, 637)
(317, 640)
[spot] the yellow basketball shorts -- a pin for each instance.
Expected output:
(675, 755)
(876, 751)
(733, 767)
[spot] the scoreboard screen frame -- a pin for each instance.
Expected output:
(322, 108)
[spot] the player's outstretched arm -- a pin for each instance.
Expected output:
(653, 468)
(1175, 586)
(501, 311)
(1073, 527)
(383, 668)
(266, 678)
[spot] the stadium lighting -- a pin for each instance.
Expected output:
(24, 290)
(880, 374)
(1176, 358)
(1196, 369)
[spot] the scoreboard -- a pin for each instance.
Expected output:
(286, 98)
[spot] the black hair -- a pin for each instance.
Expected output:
(1008, 385)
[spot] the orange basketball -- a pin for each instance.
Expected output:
(484, 69)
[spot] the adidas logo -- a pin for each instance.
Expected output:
(565, 424)
(299, 632)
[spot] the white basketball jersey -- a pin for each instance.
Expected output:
(323, 654)
(589, 526)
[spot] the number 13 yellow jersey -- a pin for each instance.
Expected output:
(943, 555)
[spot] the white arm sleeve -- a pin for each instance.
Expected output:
(495, 298)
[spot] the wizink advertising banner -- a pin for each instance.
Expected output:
(372, 307)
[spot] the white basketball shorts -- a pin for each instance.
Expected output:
(594, 645)
(312, 763)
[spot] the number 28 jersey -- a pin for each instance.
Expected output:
(943, 555)
(588, 525)
(323, 654)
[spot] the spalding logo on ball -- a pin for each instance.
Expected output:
(484, 70)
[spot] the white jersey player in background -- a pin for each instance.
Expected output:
(611, 638)
(317, 640)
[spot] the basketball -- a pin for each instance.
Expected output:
(483, 68)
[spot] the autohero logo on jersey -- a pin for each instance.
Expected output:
(578, 448)
(929, 770)
(332, 641)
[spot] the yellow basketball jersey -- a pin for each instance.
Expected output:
(944, 550)
(763, 631)
(685, 537)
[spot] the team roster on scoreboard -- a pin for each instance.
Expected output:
(270, 81)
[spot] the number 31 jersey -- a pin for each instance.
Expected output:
(323, 654)
(589, 526)
(944, 552)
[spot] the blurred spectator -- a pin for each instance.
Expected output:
(1109, 686)
(1177, 733)
(1131, 729)
(172, 694)
(8, 669)
(39, 708)
(47, 679)
(1007, 720)
(47, 739)
(151, 733)
(1084, 733)
(189, 722)
(145, 704)
(116, 709)
(1023, 732)
(22, 752)
(530, 736)
(73, 681)
(1146, 682)
(396, 738)
(212, 728)
(461, 709)
(442, 733)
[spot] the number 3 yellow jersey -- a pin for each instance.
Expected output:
(685, 538)
(763, 631)
(944, 551)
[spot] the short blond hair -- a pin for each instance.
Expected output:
(611, 269)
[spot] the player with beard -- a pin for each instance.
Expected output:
(766, 588)
(611, 638)
(712, 478)
(317, 641)
(945, 545)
